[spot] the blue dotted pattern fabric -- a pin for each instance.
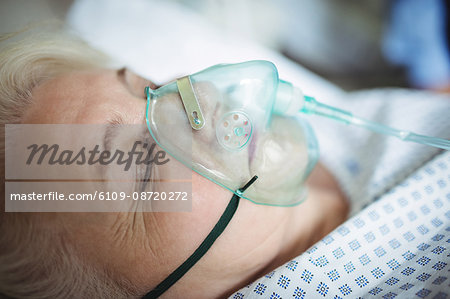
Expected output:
(396, 247)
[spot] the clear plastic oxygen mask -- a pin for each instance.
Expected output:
(231, 122)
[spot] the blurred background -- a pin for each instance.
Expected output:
(356, 44)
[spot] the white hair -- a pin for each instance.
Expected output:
(36, 260)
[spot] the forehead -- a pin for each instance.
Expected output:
(81, 97)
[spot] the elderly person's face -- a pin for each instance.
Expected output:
(143, 248)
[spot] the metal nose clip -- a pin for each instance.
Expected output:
(190, 103)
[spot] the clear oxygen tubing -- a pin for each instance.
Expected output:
(290, 100)
(312, 106)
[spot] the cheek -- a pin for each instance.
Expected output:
(251, 222)
(252, 239)
(209, 199)
(188, 229)
(251, 226)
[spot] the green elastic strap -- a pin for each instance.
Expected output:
(203, 248)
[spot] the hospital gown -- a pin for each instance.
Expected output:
(397, 247)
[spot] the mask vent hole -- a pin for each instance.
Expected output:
(234, 130)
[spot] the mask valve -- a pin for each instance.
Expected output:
(234, 130)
